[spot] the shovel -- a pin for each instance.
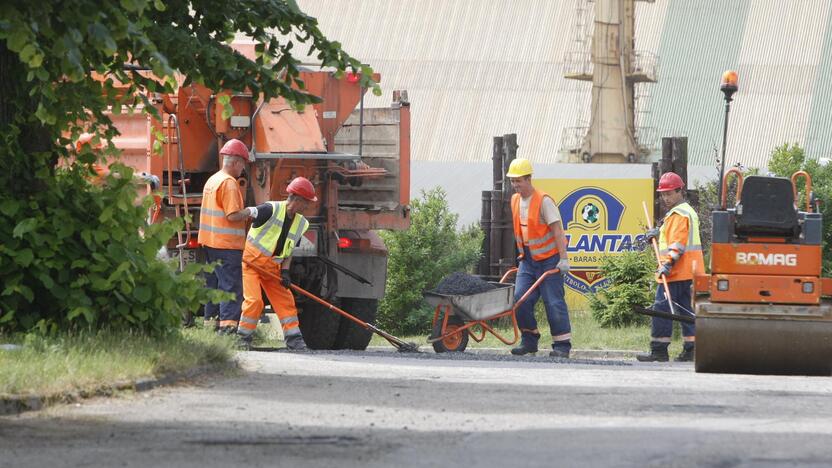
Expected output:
(401, 345)
(398, 343)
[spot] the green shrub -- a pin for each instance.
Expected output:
(78, 256)
(420, 257)
(631, 283)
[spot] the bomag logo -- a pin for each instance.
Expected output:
(772, 259)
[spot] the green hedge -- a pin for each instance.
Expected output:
(420, 257)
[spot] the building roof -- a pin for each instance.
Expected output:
(474, 70)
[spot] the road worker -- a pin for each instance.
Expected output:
(541, 243)
(222, 234)
(277, 229)
(679, 251)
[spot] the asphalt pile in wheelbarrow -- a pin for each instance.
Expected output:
(460, 283)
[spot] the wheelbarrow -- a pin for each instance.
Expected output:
(458, 317)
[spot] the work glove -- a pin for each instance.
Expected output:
(150, 179)
(563, 266)
(252, 211)
(651, 234)
(285, 279)
(664, 269)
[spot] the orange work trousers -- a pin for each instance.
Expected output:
(263, 272)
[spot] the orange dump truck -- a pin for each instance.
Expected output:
(358, 159)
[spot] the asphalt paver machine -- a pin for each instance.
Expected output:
(761, 309)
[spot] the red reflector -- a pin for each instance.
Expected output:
(193, 243)
(344, 243)
(353, 77)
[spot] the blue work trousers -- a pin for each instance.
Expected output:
(228, 277)
(551, 289)
(680, 294)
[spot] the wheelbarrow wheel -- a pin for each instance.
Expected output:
(454, 343)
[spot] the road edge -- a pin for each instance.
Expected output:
(17, 404)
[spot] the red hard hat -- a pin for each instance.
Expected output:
(301, 187)
(86, 139)
(670, 181)
(235, 147)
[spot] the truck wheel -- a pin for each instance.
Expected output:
(319, 325)
(455, 343)
(350, 334)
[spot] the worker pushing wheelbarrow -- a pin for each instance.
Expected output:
(458, 317)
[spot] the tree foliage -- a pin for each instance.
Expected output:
(631, 283)
(420, 257)
(70, 253)
(787, 159)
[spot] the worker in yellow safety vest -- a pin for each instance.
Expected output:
(680, 251)
(277, 229)
(222, 234)
(541, 244)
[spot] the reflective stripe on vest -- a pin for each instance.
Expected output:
(694, 242)
(688, 257)
(264, 238)
(215, 230)
(541, 239)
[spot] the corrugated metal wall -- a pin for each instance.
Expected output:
(475, 69)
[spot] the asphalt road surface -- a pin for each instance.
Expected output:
(384, 410)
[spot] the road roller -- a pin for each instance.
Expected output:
(764, 306)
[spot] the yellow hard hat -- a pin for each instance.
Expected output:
(519, 167)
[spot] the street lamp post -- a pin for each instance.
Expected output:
(728, 86)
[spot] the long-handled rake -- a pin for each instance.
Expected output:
(398, 343)
(656, 313)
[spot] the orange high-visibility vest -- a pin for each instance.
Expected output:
(680, 244)
(541, 239)
(214, 229)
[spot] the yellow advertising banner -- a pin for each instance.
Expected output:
(601, 217)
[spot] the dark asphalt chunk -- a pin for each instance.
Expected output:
(460, 283)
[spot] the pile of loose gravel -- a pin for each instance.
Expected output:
(460, 283)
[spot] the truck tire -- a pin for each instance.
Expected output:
(350, 334)
(318, 324)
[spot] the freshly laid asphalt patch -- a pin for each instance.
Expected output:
(543, 358)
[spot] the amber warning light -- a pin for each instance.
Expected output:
(729, 83)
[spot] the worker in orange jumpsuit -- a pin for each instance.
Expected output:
(680, 251)
(277, 229)
(222, 234)
(541, 244)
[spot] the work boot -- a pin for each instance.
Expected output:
(227, 331)
(528, 345)
(560, 349)
(658, 353)
(244, 342)
(687, 354)
(296, 343)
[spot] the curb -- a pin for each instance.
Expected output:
(16, 404)
(575, 353)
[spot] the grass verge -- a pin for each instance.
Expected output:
(86, 361)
